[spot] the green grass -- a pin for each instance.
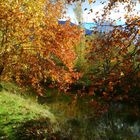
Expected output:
(15, 110)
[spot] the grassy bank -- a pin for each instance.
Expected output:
(16, 110)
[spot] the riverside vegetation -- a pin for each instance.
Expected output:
(58, 84)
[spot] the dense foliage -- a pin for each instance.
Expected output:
(100, 73)
(34, 48)
(115, 60)
(37, 51)
(112, 63)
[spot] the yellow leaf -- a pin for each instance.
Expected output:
(113, 60)
(122, 74)
(90, 1)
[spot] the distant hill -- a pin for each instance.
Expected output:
(87, 31)
(89, 27)
(63, 22)
(100, 28)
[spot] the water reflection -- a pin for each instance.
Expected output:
(81, 121)
(121, 122)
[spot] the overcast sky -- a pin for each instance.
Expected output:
(118, 12)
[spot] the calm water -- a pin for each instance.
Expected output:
(81, 122)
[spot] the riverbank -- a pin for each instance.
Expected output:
(59, 117)
(15, 111)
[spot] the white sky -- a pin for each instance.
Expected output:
(98, 7)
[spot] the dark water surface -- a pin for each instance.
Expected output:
(80, 121)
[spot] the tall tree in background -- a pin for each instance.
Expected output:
(80, 49)
(78, 12)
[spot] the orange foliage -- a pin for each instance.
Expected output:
(34, 47)
(114, 57)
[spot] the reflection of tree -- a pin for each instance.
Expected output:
(119, 123)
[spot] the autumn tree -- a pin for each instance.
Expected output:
(113, 57)
(33, 46)
(115, 60)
